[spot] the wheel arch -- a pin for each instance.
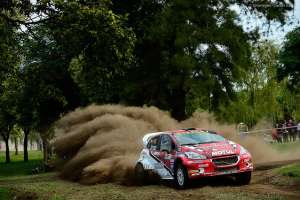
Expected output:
(177, 161)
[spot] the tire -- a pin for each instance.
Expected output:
(181, 177)
(243, 178)
(141, 175)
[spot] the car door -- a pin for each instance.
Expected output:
(154, 147)
(167, 152)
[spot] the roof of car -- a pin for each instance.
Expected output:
(148, 136)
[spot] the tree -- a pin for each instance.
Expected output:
(290, 60)
(289, 72)
(47, 87)
(8, 110)
(97, 46)
(41, 103)
(8, 61)
(25, 112)
(16, 135)
(189, 49)
(260, 95)
(70, 60)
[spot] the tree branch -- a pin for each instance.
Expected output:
(21, 22)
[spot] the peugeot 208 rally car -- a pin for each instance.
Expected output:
(192, 153)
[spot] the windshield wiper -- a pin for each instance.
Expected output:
(208, 142)
(189, 144)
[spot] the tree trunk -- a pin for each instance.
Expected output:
(7, 156)
(16, 146)
(26, 133)
(45, 150)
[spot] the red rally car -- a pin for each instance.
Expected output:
(192, 153)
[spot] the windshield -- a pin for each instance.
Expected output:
(198, 138)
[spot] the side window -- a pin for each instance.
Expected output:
(154, 143)
(166, 143)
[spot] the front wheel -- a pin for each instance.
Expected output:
(243, 178)
(181, 176)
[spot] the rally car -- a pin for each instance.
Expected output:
(192, 153)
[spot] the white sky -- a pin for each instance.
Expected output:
(276, 31)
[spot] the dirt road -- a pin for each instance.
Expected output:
(265, 185)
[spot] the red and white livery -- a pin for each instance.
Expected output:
(192, 153)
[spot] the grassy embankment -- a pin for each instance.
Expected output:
(286, 146)
(292, 170)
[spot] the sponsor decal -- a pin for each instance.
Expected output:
(221, 152)
(159, 165)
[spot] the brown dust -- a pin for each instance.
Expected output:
(102, 143)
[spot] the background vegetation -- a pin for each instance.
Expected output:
(181, 56)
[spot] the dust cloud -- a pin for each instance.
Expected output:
(101, 143)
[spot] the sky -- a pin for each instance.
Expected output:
(276, 31)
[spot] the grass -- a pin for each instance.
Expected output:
(17, 167)
(290, 170)
(5, 193)
(33, 155)
(286, 146)
(49, 187)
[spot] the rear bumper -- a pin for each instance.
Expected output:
(207, 168)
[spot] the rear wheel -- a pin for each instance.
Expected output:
(140, 174)
(181, 176)
(243, 178)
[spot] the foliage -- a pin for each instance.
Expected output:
(9, 59)
(290, 60)
(5, 193)
(178, 55)
(8, 95)
(100, 46)
(289, 70)
(8, 49)
(76, 57)
(8, 113)
(260, 95)
(191, 52)
(17, 132)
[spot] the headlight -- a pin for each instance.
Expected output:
(243, 150)
(193, 155)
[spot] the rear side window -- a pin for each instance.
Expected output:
(166, 142)
(153, 144)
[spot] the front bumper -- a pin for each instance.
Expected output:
(206, 168)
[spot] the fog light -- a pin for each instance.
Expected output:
(192, 172)
(203, 165)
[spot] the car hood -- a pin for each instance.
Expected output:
(213, 149)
